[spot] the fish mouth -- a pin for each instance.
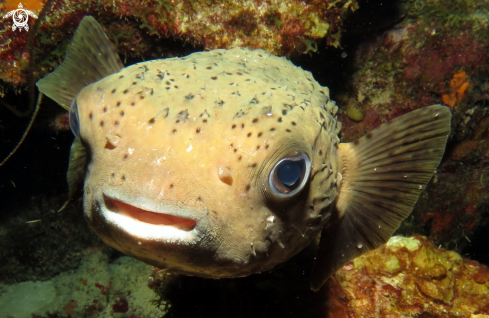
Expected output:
(149, 217)
(151, 220)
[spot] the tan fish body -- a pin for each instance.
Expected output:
(228, 162)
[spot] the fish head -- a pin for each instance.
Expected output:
(185, 175)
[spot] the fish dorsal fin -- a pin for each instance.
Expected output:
(384, 173)
(91, 57)
(76, 169)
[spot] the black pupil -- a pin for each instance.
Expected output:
(289, 172)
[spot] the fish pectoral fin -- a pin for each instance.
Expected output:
(384, 173)
(76, 170)
(90, 58)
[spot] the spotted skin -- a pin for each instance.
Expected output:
(162, 130)
(181, 160)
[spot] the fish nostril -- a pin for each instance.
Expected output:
(225, 175)
(112, 141)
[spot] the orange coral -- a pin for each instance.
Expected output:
(28, 4)
(459, 85)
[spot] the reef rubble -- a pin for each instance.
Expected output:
(409, 276)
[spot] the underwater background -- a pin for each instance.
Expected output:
(380, 59)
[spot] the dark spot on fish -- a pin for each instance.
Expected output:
(242, 125)
(204, 120)
(302, 107)
(125, 156)
(113, 91)
(125, 91)
(266, 146)
(293, 123)
(122, 113)
(177, 121)
(235, 150)
(288, 130)
(172, 79)
(320, 152)
(118, 104)
(123, 178)
(134, 83)
(228, 73)
(231, 145)
(369, 135)
(105, 109)
(255, 120)
(167, 83)
(272, 129)
(279, 119)
(197, 130)
(171, 185)
(259, 134)
(133, 103)
(248, 187)
(151, 121)
(174, 131)
(284, 112)
(101, 123)
(209, 67)
(167, 88)
(189, 96)
(175, 86)
(257, 147)
(90, 116)
(233, 126)
(113, 174)
(239, 157)
(249, 134)
(116, 123)
(122, 76)
(213, 78)
(239, 73)
(252, 165)
(141, 97)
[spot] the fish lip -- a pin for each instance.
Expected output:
(186, 224)
(158, 218)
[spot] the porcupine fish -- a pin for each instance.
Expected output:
(227, 162)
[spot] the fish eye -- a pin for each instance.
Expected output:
(290, 175)
(74, 120)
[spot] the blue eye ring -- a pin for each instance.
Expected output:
(289, 175)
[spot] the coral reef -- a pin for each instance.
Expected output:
(409, 277)
(437, 54)
(282, 28)
(39, 243)
(78, 293)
